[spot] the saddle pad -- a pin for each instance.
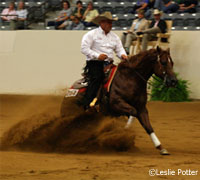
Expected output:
(111, 76)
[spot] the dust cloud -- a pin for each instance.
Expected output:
(39, 127)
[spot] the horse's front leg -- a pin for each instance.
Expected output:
(129, 122)
(122, 107)
(143, 118)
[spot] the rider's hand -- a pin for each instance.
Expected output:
(124, 57)
(102, 57)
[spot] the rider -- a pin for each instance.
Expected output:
(98, 46)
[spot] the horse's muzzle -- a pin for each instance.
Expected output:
(171, 81)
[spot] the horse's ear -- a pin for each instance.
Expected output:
(158, 49)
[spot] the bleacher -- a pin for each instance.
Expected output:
(39, 9)
(121, 9)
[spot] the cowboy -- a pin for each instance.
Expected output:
(157, 26)
(98, 46)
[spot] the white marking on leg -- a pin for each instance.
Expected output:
(129, 122)
(155, 139)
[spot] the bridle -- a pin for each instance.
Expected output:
(161, 67)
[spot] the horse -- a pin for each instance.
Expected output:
(128, 94)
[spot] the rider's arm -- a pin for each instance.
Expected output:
(86, 45)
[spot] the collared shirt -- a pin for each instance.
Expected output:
(7, 12)
(156, 24)
(137, 24)
(96, 42)
(22, 13)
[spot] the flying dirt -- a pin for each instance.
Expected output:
(77, 132)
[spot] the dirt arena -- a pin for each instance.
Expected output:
(115, 154)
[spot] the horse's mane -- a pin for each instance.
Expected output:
(138, 61)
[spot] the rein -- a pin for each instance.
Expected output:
(152, 77)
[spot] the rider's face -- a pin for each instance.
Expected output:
(106, 25)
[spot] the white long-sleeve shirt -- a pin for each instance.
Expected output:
(96, 42)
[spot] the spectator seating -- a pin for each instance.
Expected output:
(190, 20)
(197, 22)
(120, 8)
(107, 8)
(5, 26)
(178, 20)
(115, 1)
(55, 4)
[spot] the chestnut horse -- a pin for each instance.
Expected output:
(128, 95)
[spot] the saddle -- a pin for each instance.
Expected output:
(80, 85)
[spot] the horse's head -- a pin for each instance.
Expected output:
(164, 67)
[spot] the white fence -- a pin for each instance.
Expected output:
(39, 62)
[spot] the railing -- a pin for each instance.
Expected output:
(3, 22)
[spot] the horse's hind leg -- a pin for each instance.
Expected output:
(143, 118)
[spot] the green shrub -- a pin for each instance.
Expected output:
(160, 92)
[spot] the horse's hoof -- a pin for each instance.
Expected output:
(164, 152)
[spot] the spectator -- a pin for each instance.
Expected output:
(89, 14)
(9, 15)
(157, 26)
(77, 12)
(150, 7)
(188, 6)
(157, 4)
(140, 5)
(138, 25)
(167, 6)
(76, 24)
(22, 16)
(64, 15)
(152, 3)
(170, 6)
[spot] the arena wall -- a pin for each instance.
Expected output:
(40, 62)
